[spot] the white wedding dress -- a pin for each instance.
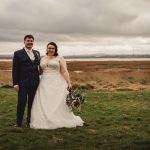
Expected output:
(49, 109)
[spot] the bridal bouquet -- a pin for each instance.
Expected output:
(74, 99)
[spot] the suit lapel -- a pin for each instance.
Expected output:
(35, 55)
(26, 55)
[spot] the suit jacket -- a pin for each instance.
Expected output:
(24, 71)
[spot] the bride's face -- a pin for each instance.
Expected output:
(50, 50)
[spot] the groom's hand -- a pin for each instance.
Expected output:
(16, 87)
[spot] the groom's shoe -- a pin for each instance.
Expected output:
(27, 125)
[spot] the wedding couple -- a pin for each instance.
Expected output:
(46, 96)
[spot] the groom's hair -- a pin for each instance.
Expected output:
(56, 49)
(28, 36)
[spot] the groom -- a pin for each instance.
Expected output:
(25, 76)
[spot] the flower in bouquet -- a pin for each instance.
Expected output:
(74, 99)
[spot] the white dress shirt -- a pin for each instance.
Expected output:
(30, 54)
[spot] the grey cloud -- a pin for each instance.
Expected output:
(73, 19)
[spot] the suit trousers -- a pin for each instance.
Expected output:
(25, 95)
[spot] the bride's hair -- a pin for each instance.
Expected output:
(55, 45)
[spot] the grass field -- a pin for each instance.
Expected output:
(118, 120)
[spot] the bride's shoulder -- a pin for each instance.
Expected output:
(62, 60)
(44, 57)
(43, 61)
(60, 57)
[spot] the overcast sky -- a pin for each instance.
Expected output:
(73, 20)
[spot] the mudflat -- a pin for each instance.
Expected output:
(99, 75)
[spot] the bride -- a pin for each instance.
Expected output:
(49, 109)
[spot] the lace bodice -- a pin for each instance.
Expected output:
(50, 67)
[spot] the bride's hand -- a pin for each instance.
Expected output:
(69, 86)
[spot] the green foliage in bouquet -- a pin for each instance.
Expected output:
(74, 99)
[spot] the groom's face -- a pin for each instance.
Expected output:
(28, 42)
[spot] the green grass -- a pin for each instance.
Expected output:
(117, 120)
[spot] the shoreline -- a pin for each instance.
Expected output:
(94, 59)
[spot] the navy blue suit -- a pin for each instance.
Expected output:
(25, 74)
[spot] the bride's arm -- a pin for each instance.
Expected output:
(64, 72)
